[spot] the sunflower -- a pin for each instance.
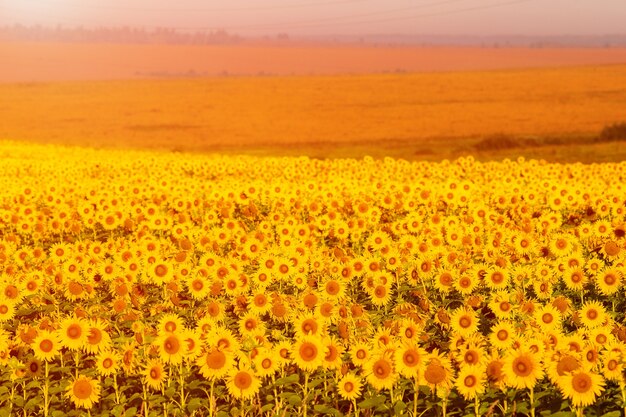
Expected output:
(380, 371)
(522, 368)
(108, 362)
(198, 286)
(154, 374)
(613, 366)
(308, 353)
(438, 373)
(250, 325)
(581, 387)
(502, 334)
(7, 310)
(575, 279)
(360, 353)
(410, 359)
(46, 345)
(464, 322)
(349, 387)
(169, 323)
(98, 339)
(592, 314)
(33, 368)
(266, 362)
(380, 294)
(73, 332)
(309, 325)
(83, 392)
(562, 363)
(170, 347)
(609, 280)
(215, 363)
(470, 381)
(334, 351)
(260, 304)
(547, 317)
(242, 383)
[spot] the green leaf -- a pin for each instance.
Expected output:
(194, 404)
(326, 410)
(566, 414)
(33, 403)
(316, 382)
(399, 407)
(130, 412)
(372, 402)
(58, 413)
(5, 412)
(291, 379)
(612, 414)
(267, 408)
(294, 400)
(18, 401)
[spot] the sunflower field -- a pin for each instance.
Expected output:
(161, 284)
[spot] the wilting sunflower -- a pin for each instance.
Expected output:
(581, 387)
(522, 368)
(154, 374)
(83, 392)
(46, 345)
(349, 387)
(242, 383)
(470, 382)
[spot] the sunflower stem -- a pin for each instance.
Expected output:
(305, 394)
(117, 389)
(415, 395)
(145, 400)
(532, 401)
(212, 399)
(46, 399)
(476, 406)
(356, 409)
(181, 374)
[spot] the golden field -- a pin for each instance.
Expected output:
(415, 116)
(157, 283)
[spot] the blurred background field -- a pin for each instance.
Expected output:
(556, 114)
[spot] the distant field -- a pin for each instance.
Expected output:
(414, 116)
(42, 61)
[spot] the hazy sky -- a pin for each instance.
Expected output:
(250, 17)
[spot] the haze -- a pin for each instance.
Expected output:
(336, 17)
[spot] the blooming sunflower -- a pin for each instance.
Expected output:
(266, 362)
(438, 373)
(242, 383)
(609, 280)
(108, 362)
(46, 345)
(349, 387)
(84, 392)
(215, 363)
(502, 334)
(522, 368)
(360, 353)
(98, 339)
(170, 347)
(154, 374)
(73, 332)
(592, 314)
(464, 321)
(470, 381)
(380, 371)
(410, 360)
(581, 387)
(308, 353)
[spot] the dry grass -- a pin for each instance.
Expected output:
(415, 116)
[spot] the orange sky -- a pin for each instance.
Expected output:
(257, 17)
